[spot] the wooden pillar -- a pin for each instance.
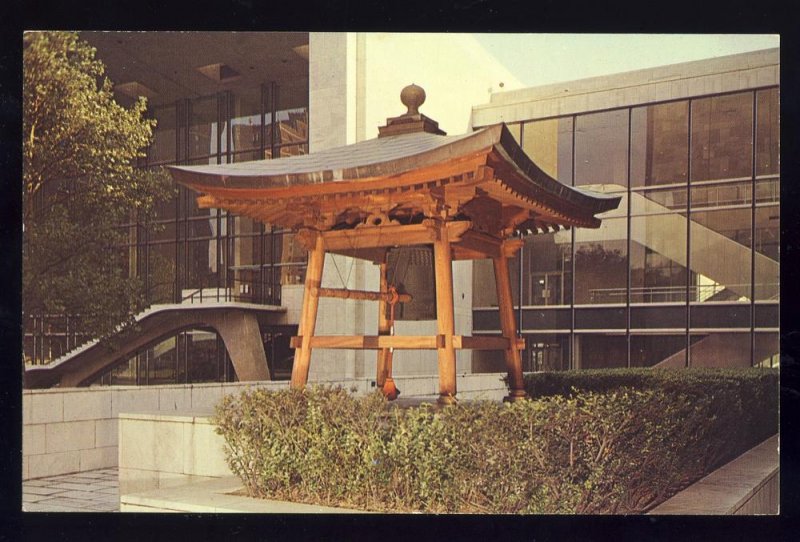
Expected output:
(308, 314)
(507, 323)
(445, 321)
(383, 329)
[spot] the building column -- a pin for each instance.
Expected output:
(505, 304)
(308, 314)
(445, 319)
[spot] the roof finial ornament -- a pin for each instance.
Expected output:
(412, 121)
(413, 97)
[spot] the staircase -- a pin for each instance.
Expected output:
(239, 324)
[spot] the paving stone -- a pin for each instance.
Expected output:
(37, 490)
(69, 485)
(80, 495)
(92, 491)
(36, 507)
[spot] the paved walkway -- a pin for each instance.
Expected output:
(92, 491)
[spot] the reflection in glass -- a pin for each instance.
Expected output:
(720, 350)
(203, 128)
(600, 351)
(722, 137)
(768, 132)
(601, 149)
(768, 190)
(718, 195)
(161, 273)
(482, 278)
(163, 149)
(546, 352)
(658, 258)
(293, 126)
(162, 360)
(124, 374)
(767, 253)
(659, 144)
(547, 269)
(204, 351)
(202, 266)
(720, 255)
(292, 256)
(658, 316)
(658, 350)
(601, 263)
(658, 200)
(549, 144)
(246, 124)
(767, 350)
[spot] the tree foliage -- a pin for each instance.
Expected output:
(80, 184)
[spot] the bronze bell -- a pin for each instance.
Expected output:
(410, 270)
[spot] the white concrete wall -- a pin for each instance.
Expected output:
(163, 448)
(76, 429)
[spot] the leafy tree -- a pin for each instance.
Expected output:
(80, 184)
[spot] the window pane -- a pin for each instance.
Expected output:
(768, 132)
(660, 144)
(767, 350)
(720, 255)
(202, 269)
(658, 317)
(293, 126)
(768, 190)
(124, 374)
(546, 352)
(203, 353)
(292, 150)
(164, 148)
(717, 195)
(658, 350)
(161, 362)
(720, 350)
(601, 149)
(161, 277)
(203, 128)
(719, 316)
(658, 258)
(246, 122)
(722, 137)
(601, 263)
(657, 201)
(293, 259)
(545, 318)
(549, 144)
(547, 269)
(600, 351)
(482, 278)
(601, 318)
(767, 253)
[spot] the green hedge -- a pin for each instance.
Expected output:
(621, 450)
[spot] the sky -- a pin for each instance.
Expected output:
(540, 59)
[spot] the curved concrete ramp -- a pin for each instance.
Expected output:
(239, 325)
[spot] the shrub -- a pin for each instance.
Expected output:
(619, 450)
(731, 409)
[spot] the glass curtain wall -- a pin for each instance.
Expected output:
(686, 270)
(185, 254)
